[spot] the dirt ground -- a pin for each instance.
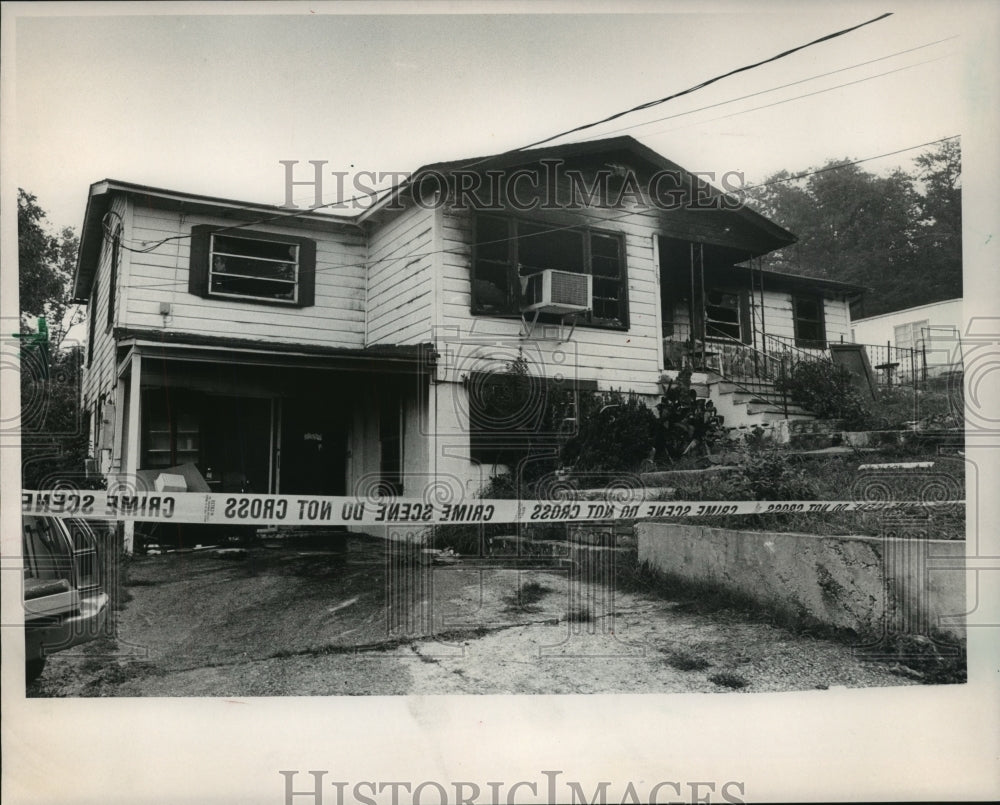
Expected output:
(373, 621)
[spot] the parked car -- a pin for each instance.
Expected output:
(64, 602)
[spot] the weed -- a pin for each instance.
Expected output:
(825, 388)
(935, 660)
(685, 661)
(727, 679)
(526, 598)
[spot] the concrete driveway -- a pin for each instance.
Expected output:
(374, 620)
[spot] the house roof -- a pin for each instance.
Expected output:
(99, 204)
(780, 279)
(914, 309)
(764, 235)
(623, 146)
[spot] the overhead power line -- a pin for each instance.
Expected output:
(772, 89)
(617, 115)
(593, 218)
(703, 84)
(840, 165)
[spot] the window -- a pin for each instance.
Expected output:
(253, 267)
(171, 428)
(722, 314)
(810, 327)
(910, 335)
(116, 245)
(508, 249)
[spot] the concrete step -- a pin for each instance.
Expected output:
(768, 407)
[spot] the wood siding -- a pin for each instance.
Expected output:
(627, 359)
(161, 276)
(400, 265)
(777, 317)
(99, 376)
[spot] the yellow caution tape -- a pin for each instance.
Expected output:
(303, 510)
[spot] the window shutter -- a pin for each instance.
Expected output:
(746, 310)
(307, 272)
(198, 266)
(821, 304)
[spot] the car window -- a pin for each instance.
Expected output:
(85, 554)
(46, 551)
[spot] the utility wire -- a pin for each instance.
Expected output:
(799, 97)
(840, 165)
(703, 84)
(640, 107)
(771, 89)
(594, 218)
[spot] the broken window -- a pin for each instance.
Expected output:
(508, 249)
(722, 314)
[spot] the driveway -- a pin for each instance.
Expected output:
(374, 620)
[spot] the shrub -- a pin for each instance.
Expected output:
(768, 475)
(826, 389)
(686, 421)
(616, 434)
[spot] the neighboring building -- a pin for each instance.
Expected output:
(930, 331)
(310, 353)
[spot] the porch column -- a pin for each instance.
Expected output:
(130, 460)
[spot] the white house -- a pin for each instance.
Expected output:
(299, 352)
(932, 331)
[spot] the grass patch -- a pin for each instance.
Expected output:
(837, 477)
(527, 597)
(931, 660)
(685, 661)
(727, 679)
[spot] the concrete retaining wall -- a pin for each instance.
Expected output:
(869, 584)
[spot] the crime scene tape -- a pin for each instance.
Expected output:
(301, 510)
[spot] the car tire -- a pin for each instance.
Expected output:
(33, 669)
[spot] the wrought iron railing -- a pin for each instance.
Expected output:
(720, 353)
(891, 366)
(751, 371)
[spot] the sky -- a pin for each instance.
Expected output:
(210, 101)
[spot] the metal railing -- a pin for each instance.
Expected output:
(723, 354)
(751, 371)
(891, 366)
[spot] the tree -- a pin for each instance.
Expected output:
(54, 439)
(45, 269)
(939, 236)
(898, 235)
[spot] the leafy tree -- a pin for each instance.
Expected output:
(897, 235)
(54, 441)
(45, 268)
(939, 235)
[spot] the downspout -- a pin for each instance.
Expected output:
(701, 277)
(691, 318)
(763, 328)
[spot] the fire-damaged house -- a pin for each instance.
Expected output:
(294, 351)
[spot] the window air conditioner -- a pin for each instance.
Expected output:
(560, 292)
